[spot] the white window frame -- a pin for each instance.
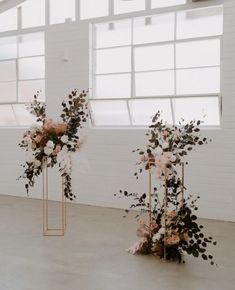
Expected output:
(156, 11)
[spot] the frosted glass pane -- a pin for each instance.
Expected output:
(198, 53)
(198, 81)
(143, 110)
(107, 113)
(8, 47)
(154, 83)
(31, 68)
(22, 115)
(92, 8)
(27, 90)
(33, 13)
(113, 33)
(7, 70)
(204, 109)
(154, 57)
(113, 86)
(121, 6)
(166, 3)
(7, 92)
(61, 10)
(200, 22)
(7, 117)
(31, 44)
(8, 20)
(154, 28)
(113, 60)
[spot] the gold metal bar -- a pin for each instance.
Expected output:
(52, 232)
(165, 213)
(150, 200)
(182, 184)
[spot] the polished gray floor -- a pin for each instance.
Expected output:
(92, 254)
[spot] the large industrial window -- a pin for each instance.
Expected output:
(168, 62)
(22, 72)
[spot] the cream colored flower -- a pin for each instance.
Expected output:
(158, 151)
(37, 163)
(165, 145)
(64, 139)
(50, 144)
(48, 151)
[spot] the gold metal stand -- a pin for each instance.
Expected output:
(165, 200)
(47, 231)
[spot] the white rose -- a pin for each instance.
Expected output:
(27, 140)
(65, 148)
(158, 151)
(173, 158)
(48, 150)
(35, 127)
(37, 163)
(156, 237)
(165, 145)
(50, 144)
(162, 231)
(64, 139)
(30, 158)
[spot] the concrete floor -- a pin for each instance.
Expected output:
(92, 254)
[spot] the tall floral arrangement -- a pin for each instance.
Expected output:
(53, 142)
(173, 227)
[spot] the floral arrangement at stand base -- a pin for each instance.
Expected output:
(173, 228)
(53, 142)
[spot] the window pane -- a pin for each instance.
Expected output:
(113, 60)
(22, 115)
(113, 34)
(7, 70)
(204, 109)
(90, 8)
(27, 90)
(61, 10)
(200, 22)
(198, 53)
(166, 3)
(31, 44)
(33, 13)
(110, 113)
(160, 83)
(8, 47)
(143, 110)
(121, 6)
(113, 86)
(154, 57)
(31, 68)
(7, 92)
(7, 115)
(154, 28)
(8, 20)
(198, 81)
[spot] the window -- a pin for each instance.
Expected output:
(33, 13)
(8, 20)
(21, 76)
(166, 3)
(168, 62)
(62, 10)
(121, 6)
(92, 8)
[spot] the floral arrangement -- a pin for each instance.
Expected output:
(51, 142)
(173, 228)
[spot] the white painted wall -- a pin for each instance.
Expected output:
(106, 163)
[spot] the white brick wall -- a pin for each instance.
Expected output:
(106, 163)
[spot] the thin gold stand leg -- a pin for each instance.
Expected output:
(182, 184)
(46, 230)
(165, 212)
(150, 200)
